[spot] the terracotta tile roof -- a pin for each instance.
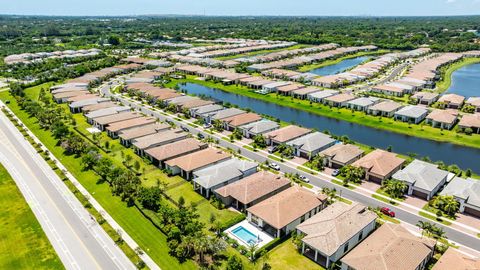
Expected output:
(454, 260)
(390, 247)
(196, 103)
(287, 206)
(386, 106)
(242, 119)
(470, 120)
(474, 101)
(287, 133)
(452, 98)
(340, 98)
(379, 162)
(104, 120)
(82, 97)
(342, 153)
(328, 230)
(135, 122)
(253, 187)
(425, 95)
(160, 138)
(99, 106)
(443, 116)
(70, 94)
(198, 159)
(175, 149)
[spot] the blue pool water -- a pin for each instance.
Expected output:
(245, 235)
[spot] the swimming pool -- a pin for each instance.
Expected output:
(245, 235)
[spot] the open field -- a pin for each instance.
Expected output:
(23, 244)
(420, 130)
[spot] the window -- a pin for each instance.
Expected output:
(345, 249)
(360, 235)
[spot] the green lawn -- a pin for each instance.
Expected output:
(378, 197)
(286, 255)
(150, 239)
(420, 130)
(434, 217)
(23, 244)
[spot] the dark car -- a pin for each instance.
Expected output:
(185, 129)
(387, 211)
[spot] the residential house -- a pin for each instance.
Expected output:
(475, 102)
(157, 139)
(456, 260)
(362, 103)
(272, 87)
(219, 115)
(221, 174)
(198, 111)
(390, 247)
(98, 106)
(285, 134)
(425, 98)
(471, 121)
(390, 90)
(341, 155)
(76, 107)
(252, 189)
(311, 144)
(126, 136)
(467, 193)
(105, 112)
(104, 121)
(115, 128)
(186, 165)
(303, 93)
(379, 165)
(281, 213)
(337, 229)
(233, 122)
(258, 128)
(411, 114)
(444, 119)
(452, 101)
(319, 96)
(158, 155)
(384, 108)
(423, 179)
(339, 100)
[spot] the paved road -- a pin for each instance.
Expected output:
(316, 180)
(79, 241)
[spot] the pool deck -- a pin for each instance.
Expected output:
(253, 229)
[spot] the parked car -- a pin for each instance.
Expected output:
(335, 172)
(387, 211)
(271, 149)
(304, 179)
(185, 129)
(274, 166)
(200, 136)
(207, 126)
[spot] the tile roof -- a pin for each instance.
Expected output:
(135, 122)
(422, 174)
(412, 111)
(109, 119)
(283, 208)
(470, 120)
(198, 159)
(227, 113)
(452, 98)
(443, 116)
(328, 230)
(142, 131)
(222, 172)
(379, 162)
(343, 153)
(175, 149)
(465, 189)
(386, 106)
(261, 126)
(390, 247)
(253, 187)
(99, 106)
(312, 141)
(242, 119)
(474, 101)
(287, 133)
(159, 138)
(340, 98)
(454, 260)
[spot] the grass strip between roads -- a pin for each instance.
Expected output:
(23, 243)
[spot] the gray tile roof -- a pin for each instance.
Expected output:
(208, 108)
(312, 141)
(107, 111)
(421, 174)
(227, 113)
(323, 94)
(222, 172)
(412, 111)
(465, 189)
(364, 101)
(261, 126)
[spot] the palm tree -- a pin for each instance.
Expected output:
(331, 194)
(252, 248)
(394, 188)
(424, 226)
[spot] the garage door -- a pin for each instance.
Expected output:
(419, 194)
(375, 179)
(472, 211)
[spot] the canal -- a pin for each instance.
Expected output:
(466, 81)
(339, 67)
(465, 157)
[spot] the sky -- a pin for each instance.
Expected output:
(242, 7)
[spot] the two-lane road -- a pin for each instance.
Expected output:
(79, 241)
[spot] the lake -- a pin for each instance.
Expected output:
(339, 67)
(463, 156)
(466, 81)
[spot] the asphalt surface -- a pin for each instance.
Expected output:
(79, 241)
(316, 180)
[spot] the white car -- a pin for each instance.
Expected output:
(274, 166)
(304, 179)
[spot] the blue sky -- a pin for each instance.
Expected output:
(242, 7)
